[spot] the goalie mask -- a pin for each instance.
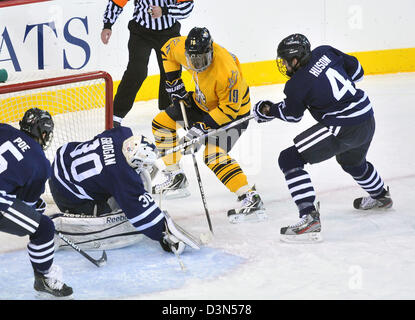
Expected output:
(39, 125)
(139, 152)
(198, 49)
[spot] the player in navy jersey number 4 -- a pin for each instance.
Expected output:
(24, 170)
(102, 179)
(323, 82)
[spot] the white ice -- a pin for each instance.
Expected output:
(364, 255)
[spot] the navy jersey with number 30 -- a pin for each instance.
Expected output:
(97, 170)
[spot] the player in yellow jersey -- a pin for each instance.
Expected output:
(221, 96)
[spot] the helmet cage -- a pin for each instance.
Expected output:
(199, 62)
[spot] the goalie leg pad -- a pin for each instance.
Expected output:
(106, 232)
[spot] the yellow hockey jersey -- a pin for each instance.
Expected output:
(220, 90)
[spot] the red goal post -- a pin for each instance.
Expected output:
(81, 105)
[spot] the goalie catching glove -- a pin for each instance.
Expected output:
(199, 129)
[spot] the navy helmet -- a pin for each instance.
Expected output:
(39, 125)
(294, 46)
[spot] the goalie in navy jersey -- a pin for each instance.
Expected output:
(100, 187)
(24, 170)
(323, 82)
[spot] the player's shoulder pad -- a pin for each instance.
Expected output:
(172, 43)
(117, 134)
(320, 50)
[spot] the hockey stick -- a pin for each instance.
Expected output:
(210, 133)
(99, 262)
(199, 180)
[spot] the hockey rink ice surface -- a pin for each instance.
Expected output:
(364, 255)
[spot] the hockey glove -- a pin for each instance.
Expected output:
(262, 111)
(40, 206)
(177, 91)
(198, 130)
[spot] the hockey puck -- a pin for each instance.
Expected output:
(205, 237)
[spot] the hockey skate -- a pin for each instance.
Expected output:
(307, 230)
(175, 238)
(366, 203)
(174, 187)
(252, 208)
(51, 286)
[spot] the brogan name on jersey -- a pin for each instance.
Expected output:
(108, 151)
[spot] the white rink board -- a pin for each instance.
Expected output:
(252, 31)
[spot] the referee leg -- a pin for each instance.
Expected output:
(134, 75)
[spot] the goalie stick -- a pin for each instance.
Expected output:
(210, 133)
(98, 262)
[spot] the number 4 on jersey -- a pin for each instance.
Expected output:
(334, 77)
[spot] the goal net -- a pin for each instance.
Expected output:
(80, 105)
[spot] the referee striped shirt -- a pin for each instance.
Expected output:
(172, 10)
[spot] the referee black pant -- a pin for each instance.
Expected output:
(140, 44)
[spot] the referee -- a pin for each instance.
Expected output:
(153, 23)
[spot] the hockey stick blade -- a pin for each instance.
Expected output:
(98, 262)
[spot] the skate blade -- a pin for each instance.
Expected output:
(48, 296)
(174, 194)
(376, 208)
(312, 237)
(256, 216)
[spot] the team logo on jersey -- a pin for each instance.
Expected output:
(233, 79)
(200, 97)
(172, 42)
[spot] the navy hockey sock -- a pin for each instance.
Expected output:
(368, 178)
(301, 189)
(41, 247)
(298, 180)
